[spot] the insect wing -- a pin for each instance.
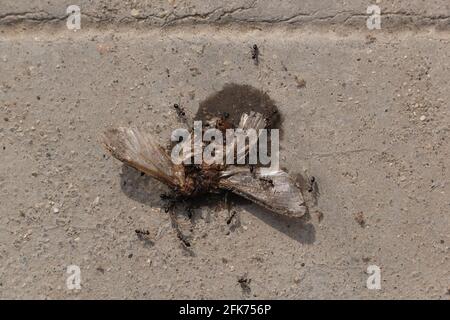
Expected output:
(275, 190)
(143, 153)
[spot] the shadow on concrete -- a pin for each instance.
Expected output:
(147, 191)
(141, 188)
(299, 229)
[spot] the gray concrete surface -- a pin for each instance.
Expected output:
(371, 124)
(324, 13)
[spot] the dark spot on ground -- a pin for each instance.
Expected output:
(359, 218)
(301, 83)
(319, 215)
(235, 99)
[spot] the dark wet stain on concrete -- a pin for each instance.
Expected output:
(235, 99)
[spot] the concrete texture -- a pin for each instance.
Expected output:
(366, 113)
(324, 13)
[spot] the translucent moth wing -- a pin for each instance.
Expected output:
(274, 190)
(252, 120)
(143, 153)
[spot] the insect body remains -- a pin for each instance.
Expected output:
(273, 189)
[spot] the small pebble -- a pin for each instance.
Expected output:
(96, 201)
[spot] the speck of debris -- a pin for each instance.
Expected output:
(244, 281)
(130, 256)
(370, 39)
(100, 269)
(301, 83)
(359, 218)
(96, 201)
(319, 216)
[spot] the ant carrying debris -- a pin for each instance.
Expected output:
(255, 54)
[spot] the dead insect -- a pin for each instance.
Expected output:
(275, 190)
(255, 54)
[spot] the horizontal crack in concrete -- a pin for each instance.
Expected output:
(219, 15)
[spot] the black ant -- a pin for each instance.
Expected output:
(311, 184)
(180, 111)
(255, 54)
(144, 235)
(141, 232)
(314, 189)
